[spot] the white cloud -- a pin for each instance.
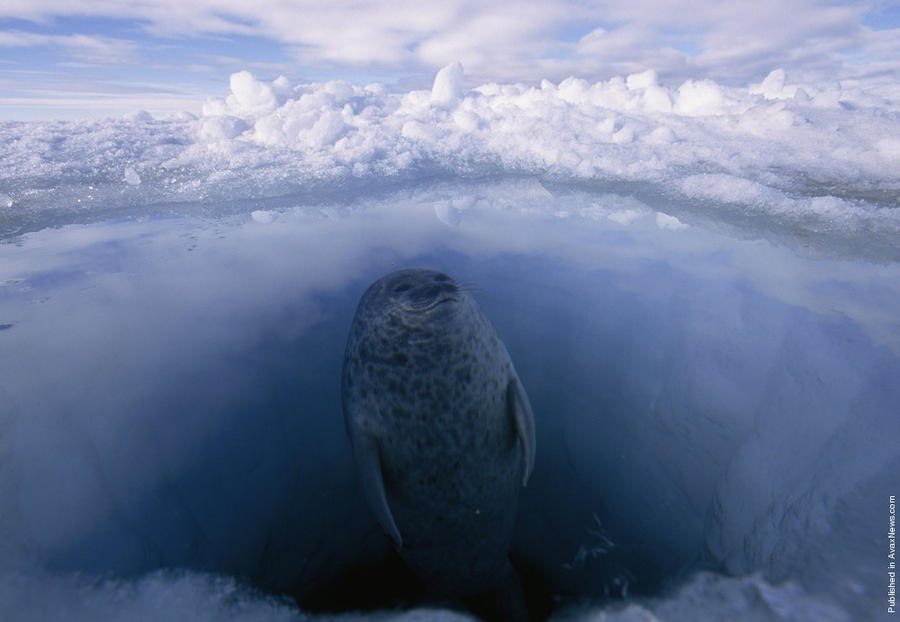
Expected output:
(732, 42)
(88, 49)
(28, 95)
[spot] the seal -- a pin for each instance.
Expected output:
(442, 433)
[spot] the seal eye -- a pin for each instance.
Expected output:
(402, 288)
(441, 277)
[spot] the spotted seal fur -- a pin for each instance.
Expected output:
(441, 428)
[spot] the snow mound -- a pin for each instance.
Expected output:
(775, 155)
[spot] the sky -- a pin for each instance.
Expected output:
(95, 58)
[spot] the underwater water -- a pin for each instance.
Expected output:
(716, 416)
(699, 287)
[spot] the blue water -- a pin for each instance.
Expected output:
(705, 401)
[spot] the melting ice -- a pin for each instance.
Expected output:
(698, 284)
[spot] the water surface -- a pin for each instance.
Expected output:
(708, 400)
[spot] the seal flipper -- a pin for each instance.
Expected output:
(523, 420)
(368, 460)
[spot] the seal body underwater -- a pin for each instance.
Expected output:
(442, 433)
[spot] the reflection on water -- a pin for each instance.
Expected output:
(171, 392)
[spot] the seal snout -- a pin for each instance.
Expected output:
(423, 290)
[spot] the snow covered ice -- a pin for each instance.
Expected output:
(699, 285)
(774, 158)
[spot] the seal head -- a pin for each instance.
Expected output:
(441, 429)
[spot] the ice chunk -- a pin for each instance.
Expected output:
(661, 135)
(642, 80)
(448, 85)
(141, 116)
(281, 86)
(657, 99)
(415, 130)
(265, 217)
(773, 87)
(700, 98)
(5, 200)
(131, 177)
(222, 127)
(249, 95)
(327, 129)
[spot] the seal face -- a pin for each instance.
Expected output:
(441, 428)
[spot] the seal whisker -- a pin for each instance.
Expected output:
(468, 287)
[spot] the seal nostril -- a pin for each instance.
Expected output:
(402, 288)
(441, 277)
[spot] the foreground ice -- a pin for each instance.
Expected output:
(191, 596)
(170, 596)
(705, 403)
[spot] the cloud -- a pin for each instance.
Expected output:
(84, 48)
(27, 95)
(732, 42)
